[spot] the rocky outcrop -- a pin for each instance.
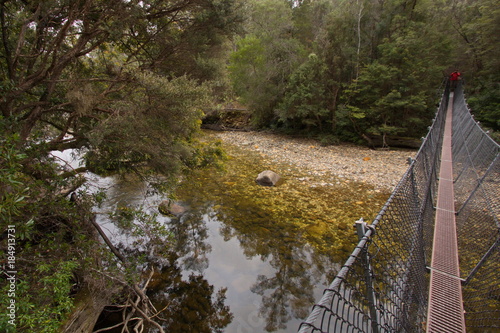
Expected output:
(267, 178)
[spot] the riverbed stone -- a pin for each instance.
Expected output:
(169, 208)
(267, 178)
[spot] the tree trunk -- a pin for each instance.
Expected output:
(85, 314)
(334, 108)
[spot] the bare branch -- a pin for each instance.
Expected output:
(108, 242)
(148, 319)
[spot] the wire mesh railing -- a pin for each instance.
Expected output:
(476, 165)
(383, 286)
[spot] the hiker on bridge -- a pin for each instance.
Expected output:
(454, 77)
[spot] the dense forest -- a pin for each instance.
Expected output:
(350, 70)
(126, 84)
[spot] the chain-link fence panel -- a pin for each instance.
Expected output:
(476, 165)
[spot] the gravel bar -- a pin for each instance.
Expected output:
(377, 167)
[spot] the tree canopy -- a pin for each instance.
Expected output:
(124, 83)
(378, 64)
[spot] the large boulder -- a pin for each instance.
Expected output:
(267, 178)
(169, 208)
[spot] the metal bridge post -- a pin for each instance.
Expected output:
(361, 227)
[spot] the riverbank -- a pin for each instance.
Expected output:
(380, 168)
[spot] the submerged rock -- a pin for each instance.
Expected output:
(267, 178)
(169, 208)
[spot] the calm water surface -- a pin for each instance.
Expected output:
(268, 253)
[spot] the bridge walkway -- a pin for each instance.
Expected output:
(445, 293)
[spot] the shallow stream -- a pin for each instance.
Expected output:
(263, 254)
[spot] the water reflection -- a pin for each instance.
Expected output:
(246, 258)
(185, 305)
(185, 299)
(267, 286)
(191, 234)
(189, 305)
(275, 249)
(272, 276)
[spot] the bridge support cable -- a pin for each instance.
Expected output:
(446, 312)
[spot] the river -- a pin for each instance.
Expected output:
(243, 258)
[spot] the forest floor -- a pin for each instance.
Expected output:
(379, 168)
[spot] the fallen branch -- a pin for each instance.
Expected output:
(108, 242)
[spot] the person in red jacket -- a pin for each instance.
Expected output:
(454, 77)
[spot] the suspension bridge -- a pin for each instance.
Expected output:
(430, 261)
